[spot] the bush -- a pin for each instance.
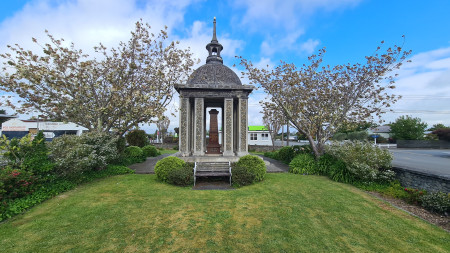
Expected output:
(137, 138)
(357, 136)
(150, 151)
(286, 154)
(75, 155)
(438, 202)
(273, 155)
(340, 173)
(302, 149)
(303, 164)
(16, 183)
(176, 148)
(413, 195)
(134, 154)
(442, 134)
(166, 165)
(324, 164)
(339, 136)
(364, 161)
(183, 176)
(53, 188)
(248, 170)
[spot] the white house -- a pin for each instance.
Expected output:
(16, 128)
(257, 135)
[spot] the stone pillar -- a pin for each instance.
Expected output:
(242, 148)
(199, 130)
(228, 127)
(183, 138)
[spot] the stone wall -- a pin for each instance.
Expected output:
(422, 180)
(423, 144)
(259, 148)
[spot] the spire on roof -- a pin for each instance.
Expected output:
(214, 48)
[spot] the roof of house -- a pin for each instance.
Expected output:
(381, 129)
(257, 128)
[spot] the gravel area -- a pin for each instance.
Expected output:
(418, 211)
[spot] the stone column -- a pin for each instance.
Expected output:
(199, 133)
(228, 127)
(243, 127)
(183, 138)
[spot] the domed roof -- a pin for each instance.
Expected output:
(214, 74)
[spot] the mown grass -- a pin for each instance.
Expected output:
(167, 151)
(286, 212)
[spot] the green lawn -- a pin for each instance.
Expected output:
(286, 212)
(168, 151)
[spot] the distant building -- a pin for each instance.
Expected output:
(383, 131)
(257, 135)
(16, 128)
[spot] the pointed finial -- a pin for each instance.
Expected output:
(214, 31)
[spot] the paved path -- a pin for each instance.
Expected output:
(433, 161)
(148, 166)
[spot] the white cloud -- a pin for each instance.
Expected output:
(309, 46)
(86, 22)
(425, 86)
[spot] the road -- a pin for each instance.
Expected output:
(435, 161)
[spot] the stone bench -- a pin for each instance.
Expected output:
(212, 169)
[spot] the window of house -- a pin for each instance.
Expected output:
(253, 137)
(264, 137)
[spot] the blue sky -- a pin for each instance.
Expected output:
(264, 32)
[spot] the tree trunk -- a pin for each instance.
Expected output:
(288, 133)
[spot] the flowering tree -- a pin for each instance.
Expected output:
(123, 87)
(272, 119)
(163, 125)
(318, 99)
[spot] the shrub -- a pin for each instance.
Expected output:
(16, 183)
(248, 170)
(413, 195)
(438, 202)
(286, 154)
(303, 164)
(137, 138)
(150, 151)
(74, 155)
(357, 136)
(302, 149)
(339, 136)
(324, 164)
(273, 155)
(166, 165)
(364, 161)
(340, 173)
(134, 154)
(182, 176)
(176, 148)
(442, 134)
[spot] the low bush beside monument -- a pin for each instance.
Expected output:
(248, 170)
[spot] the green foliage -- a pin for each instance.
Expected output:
(408, 128)
(134, 154)
(303, 164)
(302, 149)
(273, 155)
(339, 136)
(286, 154)
(74, 155)
(150, 151)
(340, 173)
(364, 161)
(413, 196)
(165, 166)
(121, 144)
(324, 163)
(50, 189)
(357, 136)
(137, 138)
(248, 170)
(176, 148)
(443, 134)
(16, 183)
(183, 176)
(438, 202)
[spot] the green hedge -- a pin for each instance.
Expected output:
(248, 170)
(167, 166)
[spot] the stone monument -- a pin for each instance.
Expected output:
(213, 85)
